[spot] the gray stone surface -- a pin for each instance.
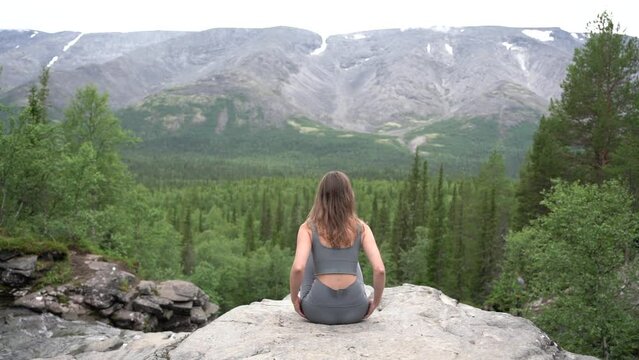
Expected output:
(178, 290)
(414, 322)
(26, 263)
(146, 287)
(25, 336)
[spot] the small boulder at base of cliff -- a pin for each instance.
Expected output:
(414, 322)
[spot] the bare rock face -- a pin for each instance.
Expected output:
(25, 335)
(414, 322)
(15, 269)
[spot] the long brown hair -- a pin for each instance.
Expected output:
(333, 210)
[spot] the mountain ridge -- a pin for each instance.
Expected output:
(359, 81)
(449, 93)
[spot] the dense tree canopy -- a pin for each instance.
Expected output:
(591, 131)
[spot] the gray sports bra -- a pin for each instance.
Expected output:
(335, 260)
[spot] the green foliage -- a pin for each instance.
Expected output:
(30, 245)
(60, 273)
(580, 256)
(463, 145)
(591, 132)
(188, 139)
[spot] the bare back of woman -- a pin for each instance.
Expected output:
(335, 281)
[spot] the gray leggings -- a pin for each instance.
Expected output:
(324, 305)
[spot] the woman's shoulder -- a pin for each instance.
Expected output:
(362, 224)
(306, 226)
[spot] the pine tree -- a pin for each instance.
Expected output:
(266, 230)
(249, 233)
(423, 197)
(454, 273)
(599, 97)
(278, 223)
(436, 233)
(188, 250)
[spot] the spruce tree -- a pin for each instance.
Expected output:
(188, 250)
(436, 233)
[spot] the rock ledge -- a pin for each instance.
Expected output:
(414, 322)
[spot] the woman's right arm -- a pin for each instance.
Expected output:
(379, 273)
(302, 250)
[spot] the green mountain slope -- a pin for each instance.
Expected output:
(200, 138)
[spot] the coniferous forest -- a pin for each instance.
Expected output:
(558, 245)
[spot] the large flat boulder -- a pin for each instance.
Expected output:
(414, 322)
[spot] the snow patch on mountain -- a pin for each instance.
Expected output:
(33, 35)
(72, 42)
(53, 60)
(440, 28)
(519, 53)
(541, 35)
(358, 36)
(320, 49)
(449, 49)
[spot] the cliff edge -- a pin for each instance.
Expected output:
(414, 322)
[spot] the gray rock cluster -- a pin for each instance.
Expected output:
(18, 269)
(108, 292)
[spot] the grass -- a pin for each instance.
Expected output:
(55, 273)
(32, 246)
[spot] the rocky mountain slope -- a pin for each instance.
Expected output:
(376, 81)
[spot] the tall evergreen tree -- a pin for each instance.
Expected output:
(249, 233)
(188, 250)
(424, 196)
(591, 131)
(266, 229)
(546, 160)
(436, 233)
(599, 97)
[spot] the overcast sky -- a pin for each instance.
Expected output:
(326, 17)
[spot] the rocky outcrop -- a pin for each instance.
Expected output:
(18, 269)
(414, 322)
(25, 335)
(106, 291)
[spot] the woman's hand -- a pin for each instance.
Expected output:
(297, 304)
(371, 307)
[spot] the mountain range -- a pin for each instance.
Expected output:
(408, 84)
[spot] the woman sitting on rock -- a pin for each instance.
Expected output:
(326, 271)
